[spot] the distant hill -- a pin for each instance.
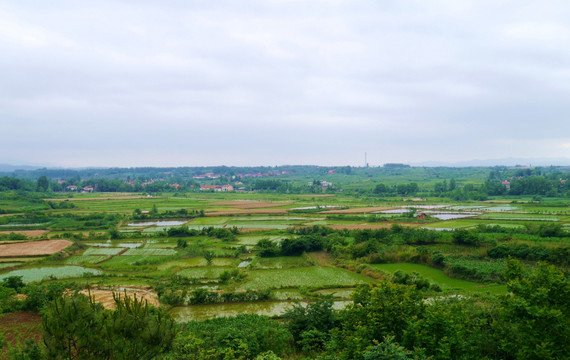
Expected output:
(500, 162)
(9, 168)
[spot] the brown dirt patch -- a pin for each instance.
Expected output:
(247, 211)
(28, 233)
(105, 297)
(322, 258)
(250, 204)
(17, 327)
(362, 210)
(33, 248)
(17, 259)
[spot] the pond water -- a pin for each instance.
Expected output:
(110, 243)
(393, 211)
(268, 308)
(451, 216)
(501, 208)
(244, 264)
(427, 207)
(37, 274)
(158, 223)
(466, 207)
(318, 207)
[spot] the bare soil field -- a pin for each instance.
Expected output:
(362, 210)
(17, 259)
(33, 248)
(105, 297)
(28, 233)
(247, 211)
(250, 204)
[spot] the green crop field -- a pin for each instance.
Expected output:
(9, 264)
(439, 277)
(202, 272)
(102, 251)
(85, 259)
(126, 263)
(254, 239)
(313, 277)
(282, 262)
(37, 274)
(155, 252)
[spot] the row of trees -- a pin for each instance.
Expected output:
(533, 185)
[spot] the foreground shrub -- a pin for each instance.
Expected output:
(240, 337)
(75, 327)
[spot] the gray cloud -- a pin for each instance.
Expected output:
(274, 82)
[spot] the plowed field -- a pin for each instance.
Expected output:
(33, 248)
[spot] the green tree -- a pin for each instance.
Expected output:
(310, 325)
(42, 183)
(75, 327)
(209, 256)
(452, 184)
(390, 350)
(231, 338)
(153, 211)
(376, 312)
(536, 312)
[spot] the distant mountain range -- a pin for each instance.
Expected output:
(9, 168)
(471, 163)
(499, 162)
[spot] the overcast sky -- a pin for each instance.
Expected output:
(190, 83)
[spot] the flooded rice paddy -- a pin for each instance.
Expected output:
(158, 223)
(267, 308)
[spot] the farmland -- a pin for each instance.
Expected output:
(205, 255)
(142, 247)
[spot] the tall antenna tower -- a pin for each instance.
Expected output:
(365, 160)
